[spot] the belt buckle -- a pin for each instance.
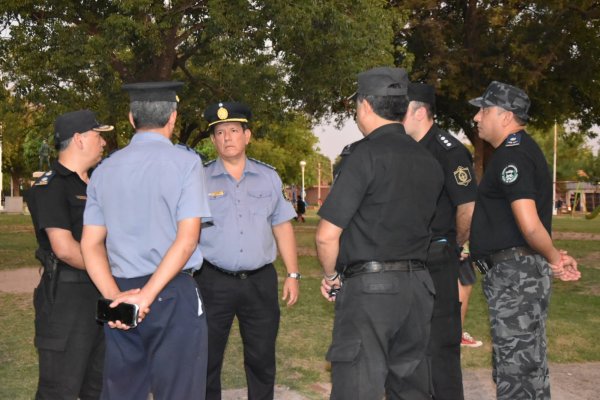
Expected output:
(243, 275)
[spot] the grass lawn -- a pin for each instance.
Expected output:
(305, 330)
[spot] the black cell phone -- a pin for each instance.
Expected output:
(124, 312)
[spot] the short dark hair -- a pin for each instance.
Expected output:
(426, 106)
(151, 114)
(392, 108)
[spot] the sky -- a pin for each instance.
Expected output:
(332, 140)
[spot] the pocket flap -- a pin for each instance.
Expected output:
(345, 351)
(51, 343)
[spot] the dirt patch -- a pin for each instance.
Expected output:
(575, 236)
(22, 280)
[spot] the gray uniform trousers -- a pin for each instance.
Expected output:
(518, 294)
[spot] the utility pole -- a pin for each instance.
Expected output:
(319, 187)
(554, 210)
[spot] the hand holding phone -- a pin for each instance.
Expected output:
(125, 312)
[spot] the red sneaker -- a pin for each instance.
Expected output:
(468, 341)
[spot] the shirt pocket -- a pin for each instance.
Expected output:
(218, 204)
(261, 201)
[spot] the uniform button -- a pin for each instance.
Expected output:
(241, 232)
(238, 201)
(241, 250)
(240, 215)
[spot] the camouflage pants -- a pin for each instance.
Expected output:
(518, 293)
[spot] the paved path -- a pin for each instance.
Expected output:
(569, 381)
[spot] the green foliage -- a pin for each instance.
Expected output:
(572, 154)
(284, 59)
(548, 48)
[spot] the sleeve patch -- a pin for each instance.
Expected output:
(510, 174)
(462, 175)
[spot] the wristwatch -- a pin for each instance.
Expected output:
(295, 275)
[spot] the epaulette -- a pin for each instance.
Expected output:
(350, 147)
(206, 164)
(262, 163)
(45, 179)
(445, 140)
(514, 139)
(188, 148)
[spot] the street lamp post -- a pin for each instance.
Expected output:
(1, 137)
(302, 165)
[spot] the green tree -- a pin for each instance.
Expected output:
(548, 48)
(282, 58)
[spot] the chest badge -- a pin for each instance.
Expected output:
(81, 197)
(509, 174)
(214, 195)
(462, 175)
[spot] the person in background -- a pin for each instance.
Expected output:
(300, 209)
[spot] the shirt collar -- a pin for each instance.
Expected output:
(385, 129)
(145, 137)
(61, 169)
(219, 168)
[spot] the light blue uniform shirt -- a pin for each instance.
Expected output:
(244, 213)
(139, 194)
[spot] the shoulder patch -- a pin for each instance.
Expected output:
(510, 174)
(446, 140)
(514, 139)
(462, 175)
(45, 179)
(262, 163)
(206, 164)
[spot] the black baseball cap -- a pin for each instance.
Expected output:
(153, 91)
(227, 111)
(422, 92)
(81, 121)
(505, 96)
(382, 81)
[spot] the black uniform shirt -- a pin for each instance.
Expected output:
(517, 170)
(384, 198)
(57, 200)
(460, 185)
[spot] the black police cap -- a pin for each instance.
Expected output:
(81, 121)
(227, 111)
(153, 91)
(422, 92)
(382, 81)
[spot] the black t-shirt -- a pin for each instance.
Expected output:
(57, 200)
(383, 197)
(460, 185)
(517, 170)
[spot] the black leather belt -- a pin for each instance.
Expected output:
(243, 274)
(68, 274)
(514, 253)
(376, 266)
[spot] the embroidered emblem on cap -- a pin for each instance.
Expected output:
(222, 112)
(510, 174)
(462, 176)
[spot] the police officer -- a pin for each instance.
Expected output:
(450, 228)
(140, 244)
(512, 244)
(373, 238)
(237, 279)
(69, 341)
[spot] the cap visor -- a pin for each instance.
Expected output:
(478, 102)
(103, 128)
